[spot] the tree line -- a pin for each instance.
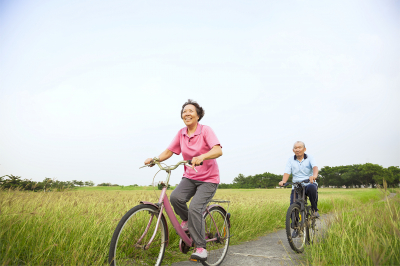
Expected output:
(107, 185)
(265, 180)
(356, 175)
(16, 182)
(359, 175)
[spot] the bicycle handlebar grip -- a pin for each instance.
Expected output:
(190, 162)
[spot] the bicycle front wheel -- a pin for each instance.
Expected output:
(216, 227)
(129, 244)
(295, 228)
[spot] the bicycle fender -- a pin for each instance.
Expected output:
(228, 215)
(162, 217)
(150, 203)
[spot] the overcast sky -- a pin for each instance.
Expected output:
(90, 89)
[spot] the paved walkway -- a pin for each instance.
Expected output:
(272, 249)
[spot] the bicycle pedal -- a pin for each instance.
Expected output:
(193, 260)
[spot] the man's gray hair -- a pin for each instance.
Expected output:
(304, 145)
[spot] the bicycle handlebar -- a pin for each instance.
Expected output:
(290, 183)
(155, 161)
(168, 169)
(190, 162)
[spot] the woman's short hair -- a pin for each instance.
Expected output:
(199, 110)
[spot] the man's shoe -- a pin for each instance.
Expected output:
(316, 214)
(295, 233)
(199, 254)
(184, 225)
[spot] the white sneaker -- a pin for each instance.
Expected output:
(199, 254)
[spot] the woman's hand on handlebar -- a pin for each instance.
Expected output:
(197, 161)
(148, 161)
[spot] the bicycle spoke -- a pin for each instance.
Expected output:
(216, 228)
(296, 228)
(130, 247)
(311, 230)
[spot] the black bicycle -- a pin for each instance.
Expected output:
(300, 221)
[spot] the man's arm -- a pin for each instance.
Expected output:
(288, 171)
(315, 174)
(284, 179)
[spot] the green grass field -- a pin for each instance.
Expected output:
(75, 227)
(114, 188)
(368, 234)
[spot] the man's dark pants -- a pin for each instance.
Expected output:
(311, 193)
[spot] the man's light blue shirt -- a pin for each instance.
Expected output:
(300, 170)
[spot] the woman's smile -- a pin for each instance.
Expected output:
(189, 115)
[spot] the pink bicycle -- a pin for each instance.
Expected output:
(142, 234)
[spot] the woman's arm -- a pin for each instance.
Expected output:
(163, 156)
(214, 153)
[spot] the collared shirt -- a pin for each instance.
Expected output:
(202, 141)
(301, 170)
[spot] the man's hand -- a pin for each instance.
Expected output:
(281, 183)
(312, 179)
(197, 161)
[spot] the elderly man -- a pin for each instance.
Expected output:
(302, 166)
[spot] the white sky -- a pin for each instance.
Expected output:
(90, 89)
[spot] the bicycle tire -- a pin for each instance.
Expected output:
(293, 217)
(125, 248)
(216, 250)
(311, 229)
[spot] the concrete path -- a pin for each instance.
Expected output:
(272, 249)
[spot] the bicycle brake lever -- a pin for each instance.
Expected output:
(147, 165)
(188, 165)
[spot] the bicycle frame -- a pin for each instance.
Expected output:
(300, 189)
(164, 204)
(301, 200)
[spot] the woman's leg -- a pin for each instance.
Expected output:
(181, 195)
(205, 192)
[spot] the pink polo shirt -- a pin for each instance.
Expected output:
(199, 143)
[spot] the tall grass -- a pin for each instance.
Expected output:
(368, 234)
(75, 227)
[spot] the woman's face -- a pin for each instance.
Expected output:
(189, 115)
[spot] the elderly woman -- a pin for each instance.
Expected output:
(198, 143)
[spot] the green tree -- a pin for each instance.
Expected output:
(89, 183)
(372, 173)
(395, 172)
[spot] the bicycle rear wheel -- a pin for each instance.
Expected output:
(311, 229)
(217, 249)
(129, 242)
(296, 230)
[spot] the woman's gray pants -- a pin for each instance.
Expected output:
(202, 193)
